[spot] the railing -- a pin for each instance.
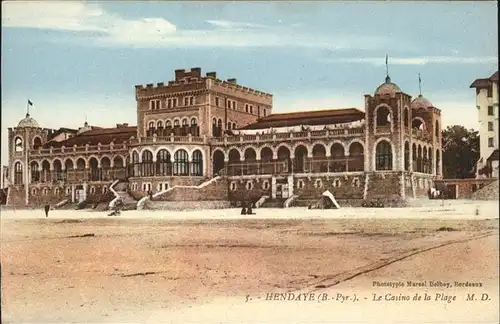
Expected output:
(165, 169)
(78, 175)
(419, 134)
(290, 135)
(307, 165)
(169, 139)
(80, 149)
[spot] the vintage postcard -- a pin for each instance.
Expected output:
(249, 162)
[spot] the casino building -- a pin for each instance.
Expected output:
(203, 141)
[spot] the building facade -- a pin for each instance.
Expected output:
(487, 108)
(200, 138)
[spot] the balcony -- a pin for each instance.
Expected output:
(279, 137)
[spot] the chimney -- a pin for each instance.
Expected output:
(212, 75)
(232, 81)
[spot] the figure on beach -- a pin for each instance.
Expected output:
(47, 208)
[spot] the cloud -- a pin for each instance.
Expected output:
(112, 30)
(232, 24)
(70, 16)
(378, 61)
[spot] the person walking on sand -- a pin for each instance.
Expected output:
(47, 208)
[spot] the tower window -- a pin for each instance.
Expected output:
(18, 144)
(490, 126)
(154, 104)
(490, 111)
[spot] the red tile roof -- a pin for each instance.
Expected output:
(97, 135)
(313, 117)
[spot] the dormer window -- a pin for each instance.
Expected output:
(154, 104)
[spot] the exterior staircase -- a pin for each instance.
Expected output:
(490, 192)
(119, 189)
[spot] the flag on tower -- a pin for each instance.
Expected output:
(30, 103)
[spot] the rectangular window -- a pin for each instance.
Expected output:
(186, 101)
(174, 102)
(154, 104)
(264, 111)
(246, 108)
(191, 101)
(251, 109)
(490, 111)
(234, 104)
(490, 91)
(490, 126)
(490, 142)
(216, 101)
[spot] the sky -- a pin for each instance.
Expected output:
(78, 61)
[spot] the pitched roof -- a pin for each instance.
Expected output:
(495, 156)
(313, 117)
(97, 135)
(62, 130)
(485, 82)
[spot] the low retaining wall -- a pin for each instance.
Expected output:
(187, 205)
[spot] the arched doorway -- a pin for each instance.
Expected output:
(46, 171)
(94, 169)
(18, 173)
(218, 162)
(285, 164)
(300, 159)
(58, 173)
(163, 163)
(338, 161)
(250, 161)
(147, 163)
(356, 157)
(234, 163)
(320, 164)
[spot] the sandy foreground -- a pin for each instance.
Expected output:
(278, 266)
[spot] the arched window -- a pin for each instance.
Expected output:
(229, 124)
(383, 157)
(181, 163)
(407, 156)
(18, 173)
(37, 143)
(197, 164)
(418, 123)
(195, 131)
(419, 159)
(437, 129)
(168, 124)
(234, 126)
(430, 163)
(35, 172)
(163, 163)
(18, 144)
(151, 125)
(147, 164)
(438, 163)
(383, 116)
(406, 117)
(136, 165)
(177, 123)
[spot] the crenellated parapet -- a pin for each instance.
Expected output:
(192, 81)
